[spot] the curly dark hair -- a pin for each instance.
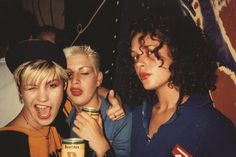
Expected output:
(194, 58)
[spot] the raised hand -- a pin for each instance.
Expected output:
(115, 110)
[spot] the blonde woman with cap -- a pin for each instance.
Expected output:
(38, 69)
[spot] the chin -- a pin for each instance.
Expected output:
(148, 87)
(46, 122)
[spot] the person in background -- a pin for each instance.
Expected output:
(39, 71)
(12, 31)
(48, 33)
(52, 34)
(174, 69)
(113, 137)
(7, 89)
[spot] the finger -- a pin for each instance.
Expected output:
(80, 118)
(117, 116)
(118, 112)
(79, 123)
(114, 101)
(114, 108)
(86, 116)
(111, 93)
(83, 119)
(111, 98)
(88, 120)
(76, 131)
(99, 121)
(120, 116)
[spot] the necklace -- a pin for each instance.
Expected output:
(45, 136)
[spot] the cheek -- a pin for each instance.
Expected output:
(153, 59)
(68, 86)
(91, 84)
(27, 97)
(56, 96)
(136, 68)
(162, 75)
(90, 81)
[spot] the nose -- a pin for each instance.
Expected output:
(139, 64)
(43, 95)
(141, 61)
(75, 79)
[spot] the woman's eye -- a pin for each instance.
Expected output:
(84, 73)
(53, 85)
(151, 53)
(30, 88)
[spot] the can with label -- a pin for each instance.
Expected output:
(73, 147)
(93, 112)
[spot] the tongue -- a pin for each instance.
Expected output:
(43, 113)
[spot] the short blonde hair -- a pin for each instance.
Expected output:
(85, 50)
(36, 71)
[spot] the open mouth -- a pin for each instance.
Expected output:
(76, 91)
(144, 76)
(43, 112)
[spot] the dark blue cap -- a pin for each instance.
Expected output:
(29, 50)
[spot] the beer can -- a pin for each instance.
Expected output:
(73, 147)
(93, 112)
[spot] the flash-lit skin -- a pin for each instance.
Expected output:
(47, 94)
(147, 66)
(83, 82)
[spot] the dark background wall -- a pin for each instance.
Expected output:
(102, 30)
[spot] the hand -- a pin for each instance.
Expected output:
(115, 110)
(91, 130)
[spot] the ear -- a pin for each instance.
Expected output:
(99, 78)
(65, 85)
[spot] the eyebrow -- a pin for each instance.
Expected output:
(48, 82)
(53, 80)
(144, 46)
(89, 67)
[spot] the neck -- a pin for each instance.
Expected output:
(168, 97)
(29, 123)
(94, 102)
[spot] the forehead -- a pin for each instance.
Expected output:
(79, 60)
(39, 77)
(146, 41)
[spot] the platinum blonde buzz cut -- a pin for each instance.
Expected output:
(84, 50)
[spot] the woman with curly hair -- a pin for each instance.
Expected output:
(174, 70)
